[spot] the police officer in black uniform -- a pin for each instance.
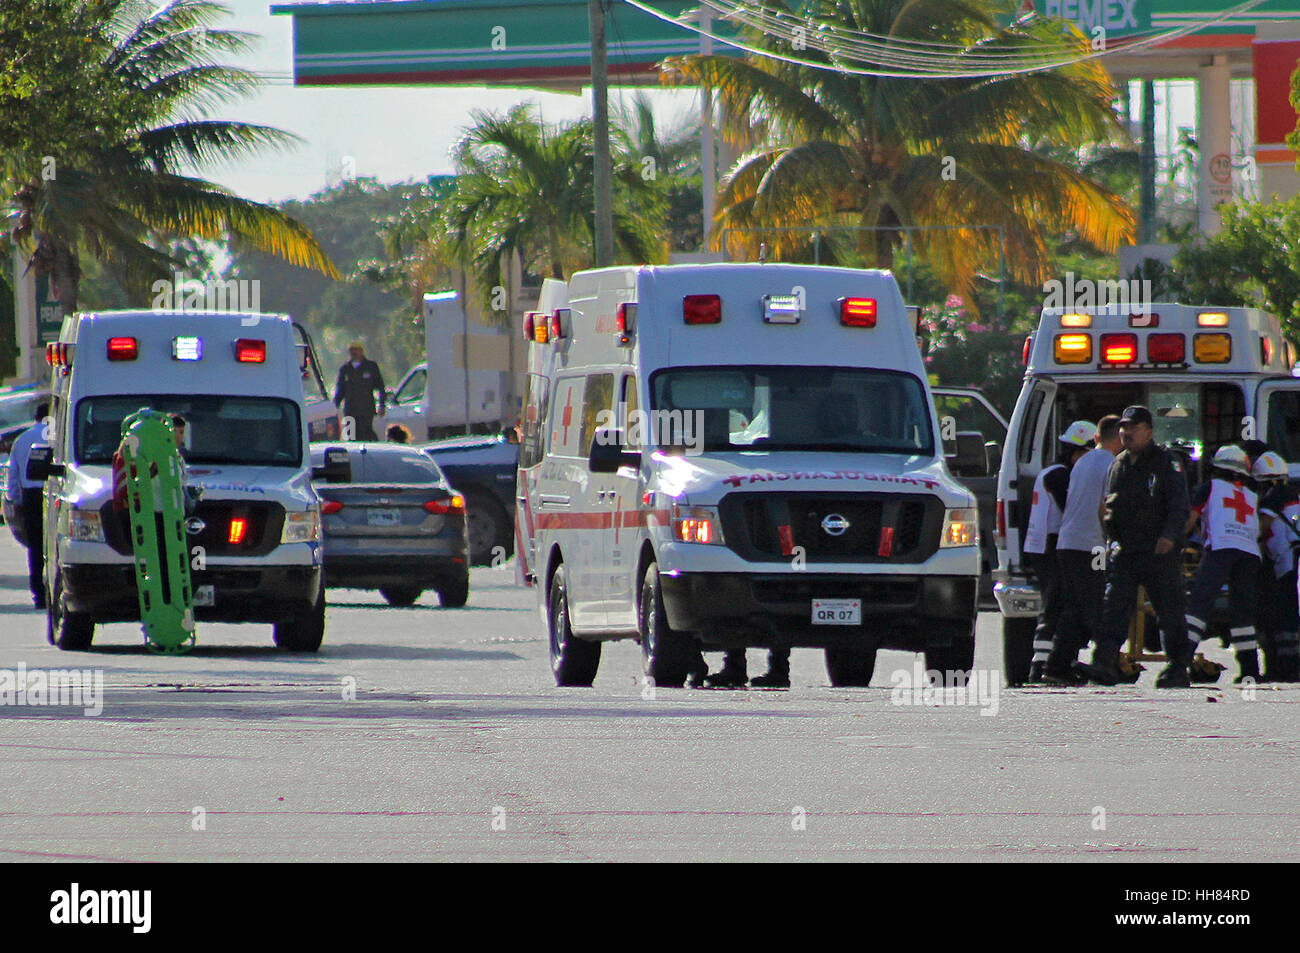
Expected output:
(354, 392)
(1145, 518)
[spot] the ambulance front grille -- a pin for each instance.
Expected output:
(752, 526)
(263, 525)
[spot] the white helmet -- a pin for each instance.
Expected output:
(1079, 434)
(1233, 458)
(1269, 466)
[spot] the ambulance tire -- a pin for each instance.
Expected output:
(574, 661)
(70, 631)
(1017, 648)
(953, 662)
(850, 667)
(488, 528)
(305, 631)
(665, 653)
(455, 595)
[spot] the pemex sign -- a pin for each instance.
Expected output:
(1116, 17)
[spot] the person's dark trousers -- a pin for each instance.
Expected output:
(34, 531)
(1282, 650)
(1049, 583)
(363, 426)
(1240, 571)
(1082, 594)
(1163, 578)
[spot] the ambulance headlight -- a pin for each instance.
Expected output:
(84, 526)
(697, 524)
(303, 527)
(960, 528)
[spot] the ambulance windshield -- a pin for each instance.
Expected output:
(853, 410)
(237, 431)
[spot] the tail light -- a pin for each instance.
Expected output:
(1001, 529)
(858, 312)
(1024, 350)
(530, 319)
(123, 349)
(330, 507)
(1119, 348)
(1166, 348)
(250, 351)
(453, 504)
(702, 309)
(238, 530)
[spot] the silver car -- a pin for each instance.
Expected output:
(391, 524)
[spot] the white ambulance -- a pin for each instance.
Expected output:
(1209, 375)
(237, 379)
(739, 455)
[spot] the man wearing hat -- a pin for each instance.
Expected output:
(358, 383)
(1145, 517)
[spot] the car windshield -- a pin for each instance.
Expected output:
(250, 431)
(854, 410)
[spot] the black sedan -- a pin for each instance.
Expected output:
(392, 523)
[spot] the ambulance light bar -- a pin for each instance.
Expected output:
(187, 349)
(781, 309)
(858, 312)
(1212, 348)
(250, 351)
(702, 309)
(1166, 348)
(1073, 348)
(1148, 320)
(1119, 348)
(123, 349)
(1076, 320)
(1212, 319)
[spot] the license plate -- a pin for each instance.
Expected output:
(382, 518)
(837, 612)
(205, 595)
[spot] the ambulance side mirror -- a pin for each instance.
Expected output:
(608, 453)
(971, 458)
(40, 466)
(337, 468)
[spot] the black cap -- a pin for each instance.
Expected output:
(1136, 414)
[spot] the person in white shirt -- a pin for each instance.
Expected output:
(1046, 506)
(1081, 555)
(26, 496)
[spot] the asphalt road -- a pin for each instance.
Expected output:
(457, 746)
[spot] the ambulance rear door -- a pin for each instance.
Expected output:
(1277, 419)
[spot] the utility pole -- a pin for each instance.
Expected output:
(1147, 166)
(604, 187)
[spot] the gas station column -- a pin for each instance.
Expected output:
(1214, 136)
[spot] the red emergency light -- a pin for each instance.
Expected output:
(702, 309)
(1024, 350)
(238, 530)
(330, 507)
(59, 354)
(529, 319)
(123, 349)
(858, 312)
(1166, 348)
(1119, 348)
(1266, 350)
(250, 351)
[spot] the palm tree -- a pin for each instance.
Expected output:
(880, 152)
(524, 188)
(121, 199)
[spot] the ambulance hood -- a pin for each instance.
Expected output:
(288, 486)
(707, 478)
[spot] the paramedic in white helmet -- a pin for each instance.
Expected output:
(1277, 621)
(1228, 508)
(1081, 555)
(1051, 489)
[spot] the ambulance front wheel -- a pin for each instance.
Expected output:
(851, 667)
(1017, 648)
(665, 653)
(304, 631)
(573, 660)
(70, 631)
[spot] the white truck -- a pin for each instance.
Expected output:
(237, 379)
(739, 455)
(1209, 375)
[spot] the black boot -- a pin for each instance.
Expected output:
(732, 674)
(1248, 662)
(1104, 667)
(1037, 673)
(1174, 675)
